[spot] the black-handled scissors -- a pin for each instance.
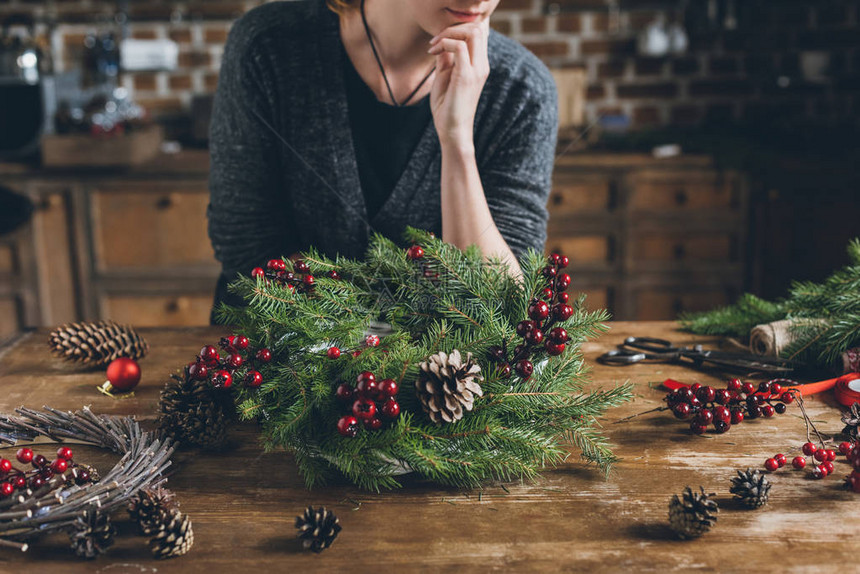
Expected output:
(638, 349)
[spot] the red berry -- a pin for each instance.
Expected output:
(682, 411)
(415, 252)
(6, 489)
(820, 455)
(264, 355)
(705, 417)
(390, 409)
(553, 349)
(365, 384)
(37, 482)
(333, 274)
(253, 379)
(764, 387)
(364, 408)
(534, 337)
(24, 455)
(820, 470)
(780, 459)
(562, 298)
(562, 282)
(787, 397)
(721, 426)
(844, 448)
(524, 368)
(549, 272)
(734, 385)
(559, 335)
(723, 396)
(209, 355)
(808, 449)
(771, 464)
(831, 454)
(698, 428)
(373, 424)
(257, 272)
(5, 466)
(65, 452)
(780, 408)
(39, 461)
(235, 361)
(775, 389)
(333, 353)
(523, 327)
(737, 417)
(308, 280)
(562, 312)
(747, 388)
(388, 388)
(241, 342)
(20, 482)
(706, 394)
(547, 294)
(371, 340)
(539, 310)
(554, 258)
(345, 392)
(198, 371)
(276, 265)
(347, 426)
(563, 261)
(828, 466)
(60, 465)
(722, 414)
(222, 379)
(767, 411)
(798, 462)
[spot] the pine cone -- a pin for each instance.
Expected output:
(317, 528)
(447, 386)
(92, 535)
(150, 508)
(852, 421)
(96, 344)
(751, 487)
(692, 516)
(173, 536)
(194, 413)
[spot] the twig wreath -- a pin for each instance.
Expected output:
(58, 505)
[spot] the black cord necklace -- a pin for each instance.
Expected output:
(382, 69)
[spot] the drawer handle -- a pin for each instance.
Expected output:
(680, 251)
(165, 202)
(177, 305)
(681, 197)
(557, 198)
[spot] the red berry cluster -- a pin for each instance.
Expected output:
(416, 253)
(538, 330)
(723, 408)
(300, 279)
(367, 401)
(238, 361)
(824, 456)
(27, 481)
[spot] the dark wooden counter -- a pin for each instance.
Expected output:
(243, 501)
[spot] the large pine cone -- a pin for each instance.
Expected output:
(693, 515)
(851, 418)
(447, 386)
(92, 534)
(751, 487)
(317, 528)
(173, 536)
(150, 508)
(194, 413)
(96, 344)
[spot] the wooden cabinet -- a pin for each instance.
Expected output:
(648, 239)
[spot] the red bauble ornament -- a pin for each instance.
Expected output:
(387, 388)
(562, 312)
(539, 310)
(554, 258)
(554, 349)
(257, 272)
(65, 453)
(20, 482)
(844, 448)
(504, 371)
(365, 384)
(747, 388)
(820, 455)
(123, 375)
(24, 455)
(549, 272)
(734, 385)
(737, 417)
(264, 355)
(364, 408)
(347, 426)
(390, 409)
(253, 379)
(276, 265)
(333, 353)
(415, 252)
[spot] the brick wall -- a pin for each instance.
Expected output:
(752, 70)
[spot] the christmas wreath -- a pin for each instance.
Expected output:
(429, 360)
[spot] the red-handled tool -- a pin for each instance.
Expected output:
(846, 388)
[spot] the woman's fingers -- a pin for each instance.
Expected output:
(457, 48)
(475, 36)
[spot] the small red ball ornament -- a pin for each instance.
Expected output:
(235, 361)
(347, 426)
(5, 466)
(198, 371)
(65, 453)
(253, 379)
(209, 355)
(364, 408)
(808, 449)
(24, 455)
(123, 375)
(333, 353)
(415, 252)
(371, 341)
(562, 312)
(345, 392)
(798, 462)
(388, 388)
(222, 379)
(390, 409)
(257, 272)
(264, 355)
(771, 464)
(241, 342)
(60, 466)
(554, 349)
(6, 489)
(538, 311)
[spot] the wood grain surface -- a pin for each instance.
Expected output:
(243, 502)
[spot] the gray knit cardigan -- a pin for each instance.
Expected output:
(284, 173)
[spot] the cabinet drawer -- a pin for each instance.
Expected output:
(10, 322)
(571, 195)
(656, 304)
(146, 229)
(158, 310)
(585, 249)
(683, 248)
(684, 192)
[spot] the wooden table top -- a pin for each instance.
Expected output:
(243, 502)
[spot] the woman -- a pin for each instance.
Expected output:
(334, 119)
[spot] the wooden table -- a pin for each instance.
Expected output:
(243, 502)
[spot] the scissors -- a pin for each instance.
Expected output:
(639, 349)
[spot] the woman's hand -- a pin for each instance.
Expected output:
(462, 68)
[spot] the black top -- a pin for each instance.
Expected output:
(383, 135)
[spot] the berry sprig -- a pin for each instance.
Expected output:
(722, 408)
(538, 331)
(239, 362)
(299, 279)
(63, 470)
(369, 402)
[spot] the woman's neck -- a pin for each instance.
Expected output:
(402, 44)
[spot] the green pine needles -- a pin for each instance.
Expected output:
(827, 315)
(449, 299)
